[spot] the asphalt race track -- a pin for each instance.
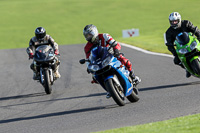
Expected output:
(77, 106)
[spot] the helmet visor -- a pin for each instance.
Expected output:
(40, 36)
(88, 37)
(174, 22)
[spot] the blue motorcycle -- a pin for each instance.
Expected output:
(111, 75)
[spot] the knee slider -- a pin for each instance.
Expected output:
(176, 61)
(32, 66)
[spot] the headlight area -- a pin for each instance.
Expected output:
(193, 45)
(183, 51)
(93, 68)
(106, 61)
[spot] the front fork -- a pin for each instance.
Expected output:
(116, 80)
(51, 75)
(42, 75)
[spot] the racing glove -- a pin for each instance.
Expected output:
(56, 52)
(88, 71)
(30, 55)
(116, 53)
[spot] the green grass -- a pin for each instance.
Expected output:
(64, 20)
(187, 124)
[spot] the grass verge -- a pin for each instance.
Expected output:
(187, 124)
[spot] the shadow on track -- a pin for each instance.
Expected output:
(58, 114)
(22, 96)
(169, 86)
(60, 99)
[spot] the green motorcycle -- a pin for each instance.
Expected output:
(188, 50)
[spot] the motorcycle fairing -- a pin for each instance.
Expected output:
(122, 74)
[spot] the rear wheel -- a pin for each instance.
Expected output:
(116, 92)
(195, 66)
(47, 83)
(134, 95)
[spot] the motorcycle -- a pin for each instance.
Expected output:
(188, 50)
(44, 60)
(111, 75)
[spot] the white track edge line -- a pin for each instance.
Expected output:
(145, 51)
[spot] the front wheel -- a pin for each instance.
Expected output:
(196, 66)
(115, 91)
(47, 83)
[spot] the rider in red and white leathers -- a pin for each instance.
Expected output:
(91, 34)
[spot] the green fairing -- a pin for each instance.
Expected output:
(182, 56)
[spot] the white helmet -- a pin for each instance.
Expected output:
(175, 16)
(90, 33)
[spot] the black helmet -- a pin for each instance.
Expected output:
(40, 33)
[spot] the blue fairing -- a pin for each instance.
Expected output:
(104, 63)
(109, 77)
(128, 86)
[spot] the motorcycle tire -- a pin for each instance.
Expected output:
(47, 83)
(117, 95)
(134, 95)
(196, 66)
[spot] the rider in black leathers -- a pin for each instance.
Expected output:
(176, 26)
(41, 38)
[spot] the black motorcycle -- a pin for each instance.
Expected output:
(45, 64)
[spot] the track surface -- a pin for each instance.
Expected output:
(76, 106)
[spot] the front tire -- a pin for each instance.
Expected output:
(195, 66)
(47, 83)
(115, 92)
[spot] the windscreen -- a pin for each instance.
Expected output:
(98, 54)
(183, 38)
(44, 52)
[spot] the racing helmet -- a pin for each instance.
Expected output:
(175, 20)
(90, 33)
(40, 33)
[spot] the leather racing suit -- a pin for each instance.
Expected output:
(34, 43)
(171, 33)
(106, 40)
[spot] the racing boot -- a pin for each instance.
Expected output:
(135, 79)
(94, 81)
(36, 75)
(108, 95)
(56, 73)
(187, 74)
